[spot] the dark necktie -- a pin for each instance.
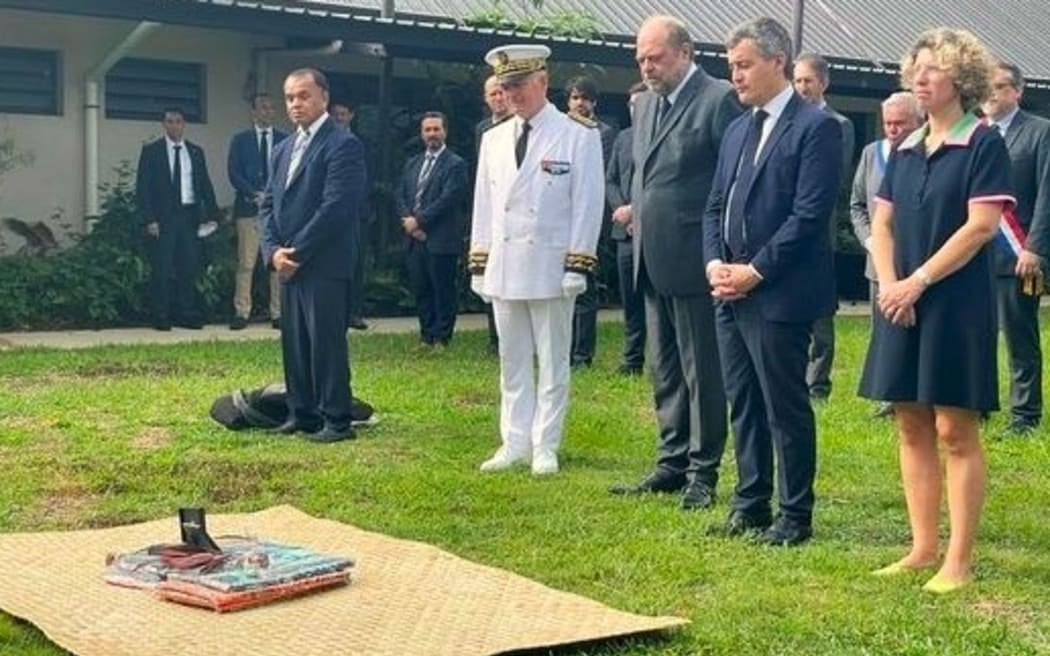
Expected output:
(424, 173)
(176, 174)
(736, 230)
(663, 107)
(522, 144)
(264, 157)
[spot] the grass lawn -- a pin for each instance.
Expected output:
(116, 435)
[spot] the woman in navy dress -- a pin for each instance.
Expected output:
(933, 349)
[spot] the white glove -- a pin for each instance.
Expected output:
(477, 285)
(573, 284)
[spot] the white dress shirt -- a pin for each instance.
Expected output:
(301, 143)
(186, 185)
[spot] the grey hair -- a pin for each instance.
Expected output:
(771, 38)
(677, 33)
(905, 99)
(818, 64)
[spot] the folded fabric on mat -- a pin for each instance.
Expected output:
(193, 594)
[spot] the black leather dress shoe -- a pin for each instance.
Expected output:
(275, 323)
(1022, 427)
(356, 323)
(655, 483)
(162, 326)
(629, 370)
(292, 426)
(786, 532)
(238, 323)
(190, 325)
(742, 524)
(331, 434)
(698, 496)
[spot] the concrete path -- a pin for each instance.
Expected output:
(73, 339)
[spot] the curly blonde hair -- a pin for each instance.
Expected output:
(962, 55)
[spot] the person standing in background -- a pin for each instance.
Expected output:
(812, 78)
(618, 173)
(343, 115)
(248, 167)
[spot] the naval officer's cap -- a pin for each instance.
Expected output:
(513, 63)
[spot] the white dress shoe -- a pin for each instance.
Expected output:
(504, 459)
(544, 463)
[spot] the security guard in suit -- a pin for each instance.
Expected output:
(537, 214)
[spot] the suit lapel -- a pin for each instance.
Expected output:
(533, 156)
(434, 171)
(1016, 128)
(783, 124)
(315, 145)
(685, 96)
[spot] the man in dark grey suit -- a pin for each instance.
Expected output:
(618, 173)
(1023, 244)
(811, 80)
(680, 123)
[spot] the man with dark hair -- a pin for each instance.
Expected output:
(768, 258)
(175, 196)
(1023, 244)
(430, 202)
(313, 198)
(618, 173)
(248, 167)
(811, 80)
(499, 111)
(679, 126)
(343, 115)
(582, 97)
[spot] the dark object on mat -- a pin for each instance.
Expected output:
(267, 407)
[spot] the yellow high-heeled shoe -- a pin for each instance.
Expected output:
(941, 585)
(898, 568)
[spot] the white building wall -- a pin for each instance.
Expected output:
(54, 181)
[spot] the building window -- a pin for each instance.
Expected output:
(140, 89)
(30, 81)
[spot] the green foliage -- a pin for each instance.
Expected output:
(96, 282)
(574, 23)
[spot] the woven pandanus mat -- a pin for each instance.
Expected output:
(406, 599)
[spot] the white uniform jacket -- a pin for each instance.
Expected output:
(533, 224)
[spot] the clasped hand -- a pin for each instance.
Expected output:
(897, 301)
(732, 282)
(283, 262)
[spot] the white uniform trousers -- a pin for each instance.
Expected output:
(532, 415)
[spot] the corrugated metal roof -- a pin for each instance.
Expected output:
(868, 30)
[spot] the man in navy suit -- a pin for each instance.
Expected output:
(175, 196)
(248, 166)
(430, 203)
(769, 262)
(314, 195)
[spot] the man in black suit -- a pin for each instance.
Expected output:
(430, 204)
(618, 175)
(680, 123)
(499, 111)
(768, 258)
(315, 194)
(175, 196)
(582, 97)
(248, 167)
(811, 80)
(1023, 244)
(343, 115)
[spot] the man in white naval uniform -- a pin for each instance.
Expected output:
(537, 214)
